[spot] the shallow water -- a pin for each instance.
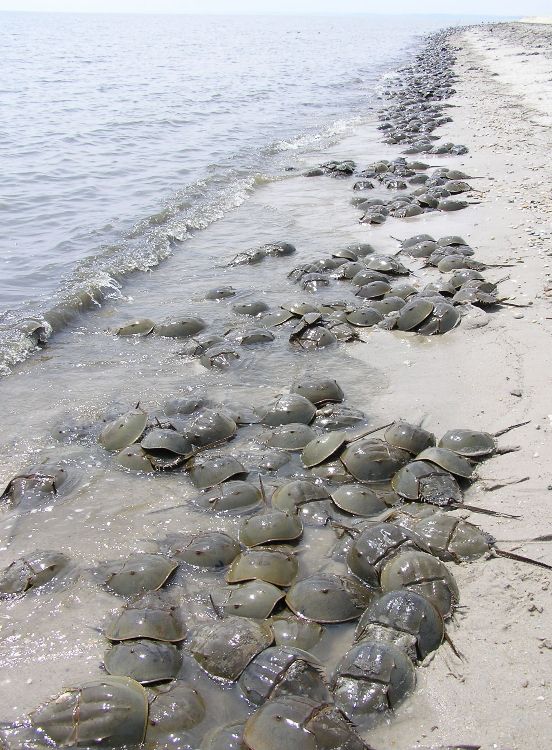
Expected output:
(122, 133)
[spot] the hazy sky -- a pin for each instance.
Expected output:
(456, 7)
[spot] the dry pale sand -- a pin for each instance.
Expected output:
(489, 377)
(536, 19)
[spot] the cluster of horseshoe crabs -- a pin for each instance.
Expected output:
(262, 622)
(382, 492)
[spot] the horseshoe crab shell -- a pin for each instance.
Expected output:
(254, 599)
(423, 574)
(137, 574)
(206, 549)
(220, 292)
(135, 458)
(228, 737)
(358, 500)
(300, 723)
(414, 313)
(31, 571)
(174, 708)
(469, 443)
(448, 460)
(124, 430)
(271, 527)
(167, 441)
(443, 319)
(409, 437)
(291, 496)
(321, 448)
(212, 471)
(364, 317)
(319, 390)
(143, 660)
(231, 496)
(225, 648)
(271, 564)
(372, 678)
(112, 712)
(181, 328)
(151, 616)
(328, 598)
(283, 671)
(374, 546)
(250, 308)
(373, 460)
(405, 619)
(219, 357)
(291, 437)
(295, 632)
(211, 427)
(141, 327)
(426, 482)
(287, 409)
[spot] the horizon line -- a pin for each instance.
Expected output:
(245, 13)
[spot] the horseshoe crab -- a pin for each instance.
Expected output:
(372, 679)
(151, 616)
(271, 527)
(253, 336)
(142, 327)
(34, 483)
(443, 319)
(31, 571)
(228, 737)
(453, 539)
(271, 564)
(283, 670)
(225, 648)
(162, 443)
(300, 723)
(212, 471)
(291, 437)
(295, 497)
(143, 660)
(219, 357)
(428, 483)
(328, 598)
(220, 292)
(373, 290)
(469, 443)
(124, 431)
(405, 619)
(136, 575)
(231, 496)
(373, 460)
(211, 427)
(180, 329)
(198, 345)
(295, 632)
(335, 417)
(111, 711)
(173, 709)
(322, 448)
(409, 437)
(250, 308)
(448, 460)
(414, 313)
(319, 390)
(287, 409)
(358, 500)
(205, 549)
(374, 546)
(423, 574)
(364, 317)
(254, 599)
(135, 458)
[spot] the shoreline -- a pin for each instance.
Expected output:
(488, 372)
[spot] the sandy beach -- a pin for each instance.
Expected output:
(490, 372)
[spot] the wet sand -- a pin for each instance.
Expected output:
(488, 373)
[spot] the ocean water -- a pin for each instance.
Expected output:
(121, 136)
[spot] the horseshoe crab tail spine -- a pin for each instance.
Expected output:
(511, 427)
(484, 511)
(455, 651)
(500, 485)
(521, 558)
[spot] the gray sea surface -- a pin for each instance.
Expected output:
(122, 135)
